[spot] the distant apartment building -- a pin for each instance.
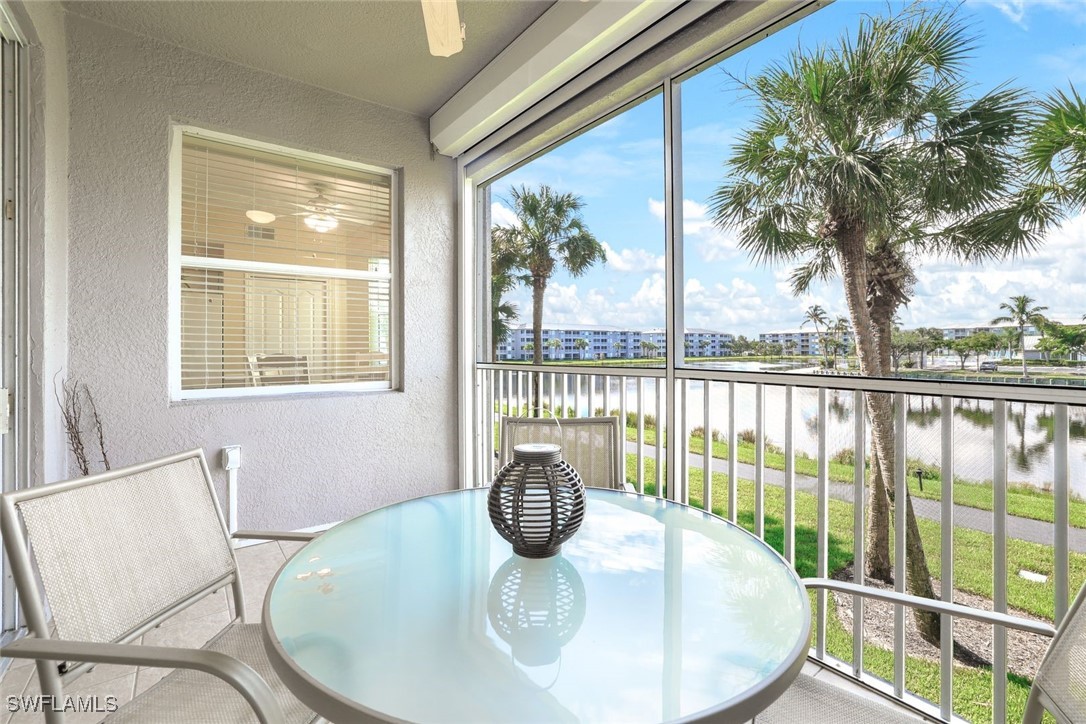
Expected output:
(801, 342)
(953, 333)
(586, 341)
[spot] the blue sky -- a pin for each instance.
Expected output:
(617, 168)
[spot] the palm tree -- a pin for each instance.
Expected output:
(549, 232)
(647, 348)
(504, 260)
(862, 155)
(816, 315)
(618, 348)
(1057, 147)
(581, 345)
(555, 344)
(1021, 313)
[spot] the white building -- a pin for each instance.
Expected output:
(588, 341)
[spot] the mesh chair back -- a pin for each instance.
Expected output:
(279, 369)
(115, 550)
(589, 444)
(1061, 678)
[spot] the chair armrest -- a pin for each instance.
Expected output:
(927, 604)
(235, 673)
(273, 535)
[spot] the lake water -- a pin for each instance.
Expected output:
(1029, 426)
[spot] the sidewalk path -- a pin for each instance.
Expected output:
(1027, 529)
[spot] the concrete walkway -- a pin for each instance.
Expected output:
(1027, 529)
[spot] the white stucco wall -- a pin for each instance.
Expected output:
(47, 258)
(306, 461)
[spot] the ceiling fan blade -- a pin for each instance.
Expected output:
(354, 220)
(444, 33)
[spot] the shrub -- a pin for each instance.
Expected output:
(699, 431)
(844, 456)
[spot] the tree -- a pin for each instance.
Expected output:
(581, 345)
(983, 343)
(1021, 312)
(549, 232)
(556, 345)
(816, 315)
(931, 339)
(861, 156)
(504, 261)
(903, 343)
(963, 348)
(618, 348)
(1064, 340)
(648, 349)
(1057, 147)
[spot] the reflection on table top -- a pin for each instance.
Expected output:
(419, 611)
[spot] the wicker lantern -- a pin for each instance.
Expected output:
(537, 500)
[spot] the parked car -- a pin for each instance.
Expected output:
(989, 366)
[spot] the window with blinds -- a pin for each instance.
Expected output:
(286, 271)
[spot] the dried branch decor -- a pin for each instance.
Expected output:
(76, 406)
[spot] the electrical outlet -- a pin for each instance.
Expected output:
(231, 457)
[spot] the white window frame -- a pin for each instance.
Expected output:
(176, 261)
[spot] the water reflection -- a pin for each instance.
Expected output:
(536, 606)
(1029, 426)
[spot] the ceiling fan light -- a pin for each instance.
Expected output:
(259, 217)
(321, 223)
(444, 31)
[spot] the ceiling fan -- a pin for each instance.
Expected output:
(322, 215)
(444, 31)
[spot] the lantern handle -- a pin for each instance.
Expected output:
(553, 417)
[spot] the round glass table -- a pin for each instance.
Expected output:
(653, 611)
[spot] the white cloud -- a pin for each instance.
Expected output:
(632, 260)
(1017, 10)
(712, 244)
(501, 215)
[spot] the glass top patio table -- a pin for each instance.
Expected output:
(653, 611)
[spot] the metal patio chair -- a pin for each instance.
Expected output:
(1059, 687)
(592, 445)
(119, 553)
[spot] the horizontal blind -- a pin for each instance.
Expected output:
(286, 269)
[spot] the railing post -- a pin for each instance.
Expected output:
(859, 504)
(641, 435)
(1061, 486)
(759, 460)
(822, 523)
(733, 456)
(707, 447)
(789, 477)
(999, 561)
(900, 493)
(946, 633)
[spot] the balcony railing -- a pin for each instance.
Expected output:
(778, 465)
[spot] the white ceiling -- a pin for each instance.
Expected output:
(370, 49)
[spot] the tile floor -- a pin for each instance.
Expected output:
(195, 626)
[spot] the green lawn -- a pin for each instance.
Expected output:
(973, 566)
(1022, 500)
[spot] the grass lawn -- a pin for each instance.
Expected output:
(973, 567)
(1023, 501)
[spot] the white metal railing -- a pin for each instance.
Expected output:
(640, 395)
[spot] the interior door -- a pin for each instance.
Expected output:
(287, 316)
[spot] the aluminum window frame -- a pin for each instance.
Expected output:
(177, 262)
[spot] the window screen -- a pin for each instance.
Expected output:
(286, 270)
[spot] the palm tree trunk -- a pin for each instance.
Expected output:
(871, 354)
(1022, 345)
(539, 285)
